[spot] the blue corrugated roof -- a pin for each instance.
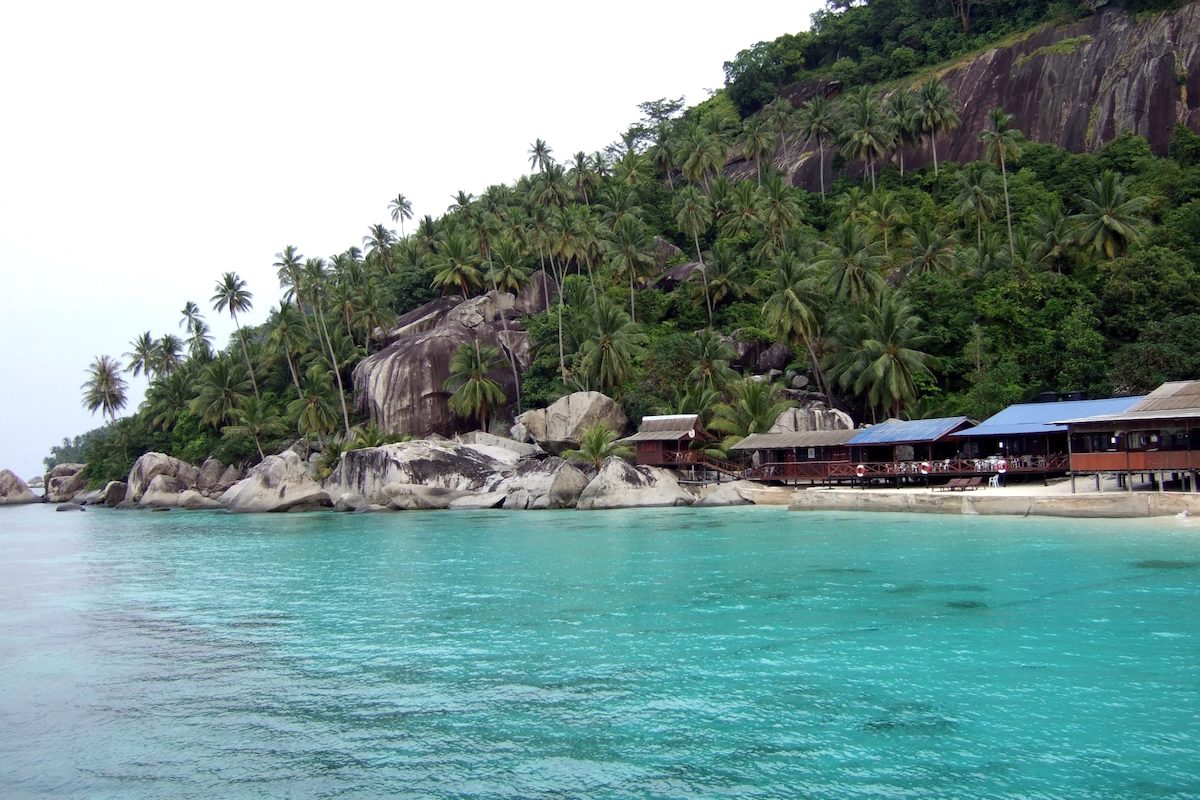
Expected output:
(1036, 417)
(917, 430)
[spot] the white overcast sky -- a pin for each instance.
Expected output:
(145, 148)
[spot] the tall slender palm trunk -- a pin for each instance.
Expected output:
(1012, 248)
(246, 353)
(512, 359)
(337, 372)
(704, 278)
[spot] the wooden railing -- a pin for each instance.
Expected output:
(947, 467)
(698, 458)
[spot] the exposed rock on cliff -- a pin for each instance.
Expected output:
(401, 386)
(150, 465)
(63, 482)
(1077, 86)
(811, 417)
(551, 483)
(14, 491)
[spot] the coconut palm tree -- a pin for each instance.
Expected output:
(401, 209)
(508, 272)
(581, 177)
(865, 134)
(629, 251)
(105, 389)
(314, 409)
(727, 274)
(745, 211)
(752, 407)
(904, 117)
(818, 121)
(220, 389)
(475, 393)
(852, 261)
(1054, 235)
(141, 357)
(778, 116)
(758, 142)
(693, 214)
(662, 156)
(976, 195)
(166, 398)
(931, 252)
(780, 209)
(887, 214)
(456, 265)
(378, 243)
(168, 355)
(231, 293)
(286, 337)
(935, 113)
(793, 306)
(315, 282)
(1003, 144)
(539, 156)
(1110, 219)
(256, 419)
(199, 342)
(598, 444)
(609, 354)
(710, 362)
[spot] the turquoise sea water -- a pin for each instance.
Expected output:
(654, 653)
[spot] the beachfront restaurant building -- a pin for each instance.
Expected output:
(1028, 437)
(1157, 436)
(667, 440)
(901, 447)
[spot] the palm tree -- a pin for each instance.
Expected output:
(793, 307)
(609, 354)
(1054, 235)
(976, 195)
(166, 398)
(598, 443)
(931, 252)
(1003, 144)
(199, 344)
(475, 394)
(887, 213)
(727, 274)
(745, 211)
(508, 272)
(758, 142)
(1110, 218)
(104, 389)
(378, 243)
(935, 113)
(904, 117)
(141, 357)
(314, 409)
(778, 117)
(711, 368)
(401, 210)
(866, 134)
(581, 177)
(256, 419)
(629, 252)
(852, 261)
(287, 337)
(167, 354)
(456, 266)
(780, 209)
(693, 214)
(661, 155)
(817, 121)
(315, 280)
(753, 407)
(539, 155)
(231, 293)
(886, 363)
(220, 390)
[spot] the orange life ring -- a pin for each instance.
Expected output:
(1002, 466)
(926, 467)
(860, 470)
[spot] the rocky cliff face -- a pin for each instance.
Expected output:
(1077, 86)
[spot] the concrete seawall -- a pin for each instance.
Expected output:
(1114, 505)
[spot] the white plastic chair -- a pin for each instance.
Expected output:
(994, 481)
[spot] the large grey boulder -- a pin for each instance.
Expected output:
(445, 465)
(560, 425)
(726, 494)
(152, 464)
(421, 319)
(63, 482)
(777, 356)
(114, 493)
(535, 296)
(193, 500)
(811, 417)
(418, 497)
(276, 484)
(14, 491)
(619, 484)
(523, 449)
(551, 483)
(209, 475)
(92, 498)
(477, 501)
(163, 491)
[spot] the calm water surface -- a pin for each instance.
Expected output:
(671, 653)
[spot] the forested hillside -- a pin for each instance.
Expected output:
(887, 291)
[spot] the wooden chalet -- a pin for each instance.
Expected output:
(1158, 436)
(667, 441)
(795, 455)
(1028, 436)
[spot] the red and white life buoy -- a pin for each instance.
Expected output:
(860, 470)
(926, 467)
(1002, 466)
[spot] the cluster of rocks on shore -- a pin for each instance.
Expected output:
(474, 471)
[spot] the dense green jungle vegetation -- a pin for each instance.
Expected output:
(952, 289)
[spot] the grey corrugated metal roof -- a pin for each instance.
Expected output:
(901, 431)
(1044, 417)
(1171, 396)
(666, 428)
(784, 441)
(1133, 417)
